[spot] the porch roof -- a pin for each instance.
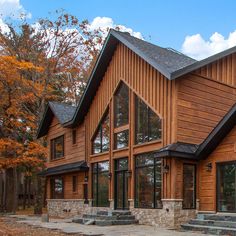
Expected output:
(67, 168)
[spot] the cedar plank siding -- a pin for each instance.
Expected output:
(72, 152)
(225, 151)
(201, 104)
(146, 82)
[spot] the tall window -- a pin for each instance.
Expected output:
(74, 136)
(100, 184)
(148, 181)
(121, 117)
(74, 183)
(57, 148)
(147, 123)
(100, 141)
(57, 188)
(122, 106)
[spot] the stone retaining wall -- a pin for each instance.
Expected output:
(66, 208)
(170, 216)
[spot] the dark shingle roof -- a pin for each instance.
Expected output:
(166, 60)
(67, 168)
(179, 149)
(63, 112)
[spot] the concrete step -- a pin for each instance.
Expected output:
(115, 222)
(125, 217)
(210, 229)
(220, 217)
(226, 224)
(113, 213)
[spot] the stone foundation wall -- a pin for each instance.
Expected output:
(170, 216)
(66, 208)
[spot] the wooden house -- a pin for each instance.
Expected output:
(154, 133)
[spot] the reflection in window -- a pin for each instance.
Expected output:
(57, 147)
(100, 184)
(121, 139)
(147, 123)
(57, 187)
(121, 106)
(101, 140)
(148, 181)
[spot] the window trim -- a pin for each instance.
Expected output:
(154, 185)
(136, 99)
(52, 148)
(75, 183)
(74, 136)
(195, 185)
(52, 187)
(99, 128)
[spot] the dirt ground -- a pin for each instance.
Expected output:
(9, 227)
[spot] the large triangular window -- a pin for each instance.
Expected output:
(100, 141)
(147, 123)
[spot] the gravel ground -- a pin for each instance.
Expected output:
(9, 227)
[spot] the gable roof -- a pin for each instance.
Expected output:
(63, 113)
(165, 60)
(198, 152)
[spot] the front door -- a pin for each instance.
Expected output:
(121, 183)
(226, 187)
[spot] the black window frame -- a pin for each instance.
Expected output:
(54, 195)
(154, 165)
(53, 148)
(100, 129)
(74, 183)
(121, 85)
(149, 111)
(194, 186)
(74, 136)
(95, 202)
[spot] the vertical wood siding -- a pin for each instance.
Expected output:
(221, 70)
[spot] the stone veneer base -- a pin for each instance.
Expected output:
(170, 216)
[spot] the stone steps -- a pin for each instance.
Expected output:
(218, 224)
(106, 218)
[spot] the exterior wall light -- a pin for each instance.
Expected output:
(86, 179)
(166, 169)
(209, 167)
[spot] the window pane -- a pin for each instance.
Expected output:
(144, 160)
(97, 142)
(148, 181)
(189, 186)
(105, 134)
(154, 126)
(57, 188)
(74, 183)
(141, 123)
(100, 184)
(145, 187)
(122, 164)
(57, 147)
(122, 106)
(147, 123)
(158, 184)
(101, 140)
(122, 139)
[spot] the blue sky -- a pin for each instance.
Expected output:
(163, 22)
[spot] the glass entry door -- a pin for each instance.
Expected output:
(121, 183)
(226, 187)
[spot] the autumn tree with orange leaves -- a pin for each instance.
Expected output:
(49, 60)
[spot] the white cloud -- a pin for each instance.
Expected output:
(197, 47)
(107, 23)
(3, 27)
(13, 9)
